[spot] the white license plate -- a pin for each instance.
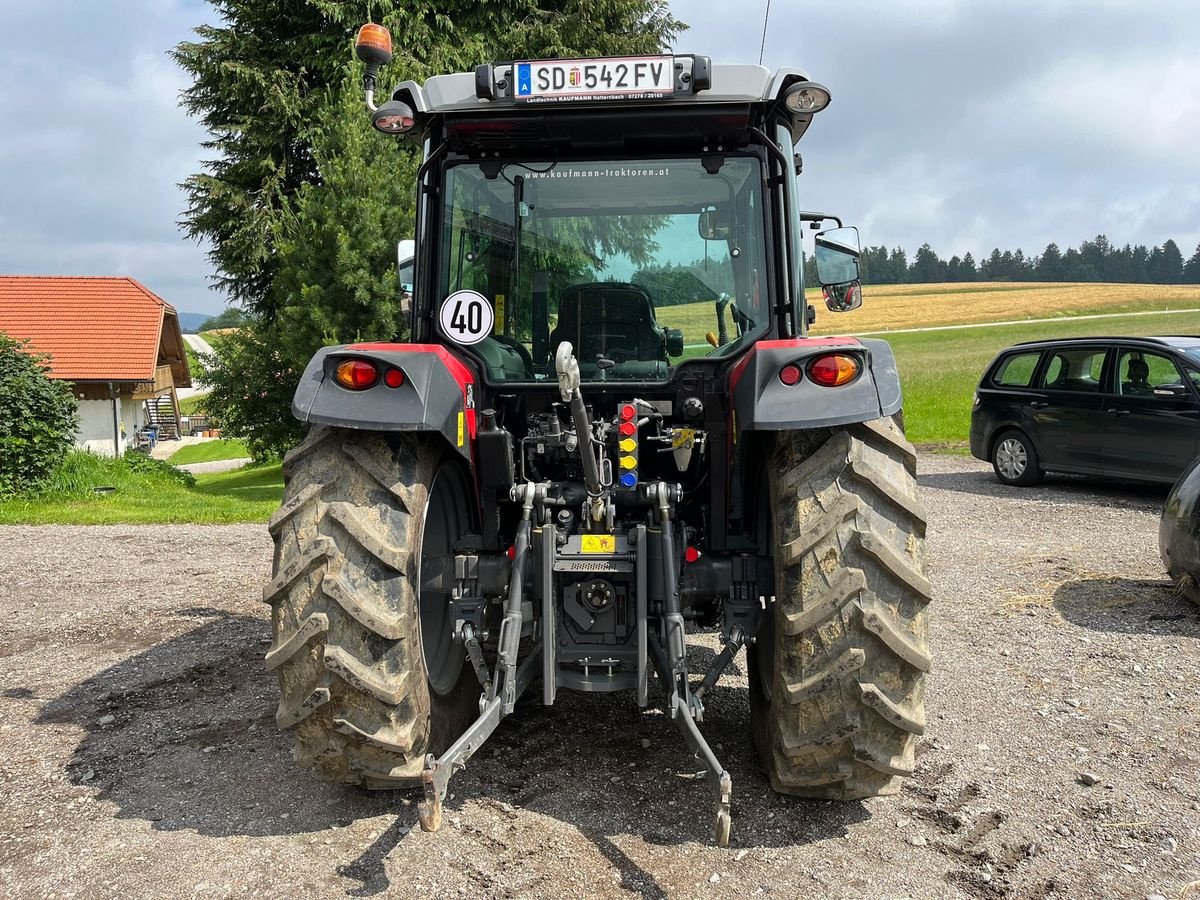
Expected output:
(624, 78)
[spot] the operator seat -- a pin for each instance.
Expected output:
(610, 319)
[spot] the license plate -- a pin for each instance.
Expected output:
(624, 78)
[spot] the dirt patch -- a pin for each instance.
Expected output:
(139, 757)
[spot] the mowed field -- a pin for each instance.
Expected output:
(939, 369)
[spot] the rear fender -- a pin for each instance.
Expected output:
(762, 402)
(437, 395)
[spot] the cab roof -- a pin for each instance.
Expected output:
(456, 93)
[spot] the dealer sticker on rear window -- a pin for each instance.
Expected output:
(466, 317)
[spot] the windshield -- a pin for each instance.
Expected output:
(638, 264)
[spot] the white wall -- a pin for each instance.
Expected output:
(95, 426)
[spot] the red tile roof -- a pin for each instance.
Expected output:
(94, 328)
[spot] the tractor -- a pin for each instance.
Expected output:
(608, 429)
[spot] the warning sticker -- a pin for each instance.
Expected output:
(460, 429)
(598, 543)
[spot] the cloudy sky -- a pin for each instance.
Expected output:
(969, 124)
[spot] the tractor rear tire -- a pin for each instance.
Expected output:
(837, 675)
(346, 607)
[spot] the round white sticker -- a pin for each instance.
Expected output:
(467, 317)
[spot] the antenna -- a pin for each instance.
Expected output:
(763, 45)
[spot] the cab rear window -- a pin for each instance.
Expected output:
(1016, 370)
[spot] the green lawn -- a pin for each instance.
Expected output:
(150, 494)
(190, 406)
(940, 369)
(209, 451)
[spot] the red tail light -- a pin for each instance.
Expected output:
(790, 374)
(833, 370)
(393, 378)
(356, 374)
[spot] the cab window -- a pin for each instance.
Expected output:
(1075, 370)
(1017, 370)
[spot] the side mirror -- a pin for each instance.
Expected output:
(406, 252)
(713, 225)
(674, 342)
(842, 297)
(837, 252)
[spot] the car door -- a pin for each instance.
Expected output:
(1154, 412)
(1066, 411)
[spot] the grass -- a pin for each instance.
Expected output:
(939, 370)
(190, 406)
(890, 307)
(209, 451)
(147, 492)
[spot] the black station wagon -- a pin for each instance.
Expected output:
(1121, 407)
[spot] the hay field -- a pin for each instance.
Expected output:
(887, 307)
(903, 306)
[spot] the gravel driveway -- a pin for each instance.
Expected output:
(138, 754)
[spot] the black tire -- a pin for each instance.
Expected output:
(1015, 459)
(837, 675)
(354, 684)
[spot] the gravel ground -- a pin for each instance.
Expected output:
(138, 755)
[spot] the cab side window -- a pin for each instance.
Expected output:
(1075, 370)
(1139, 373)
(1017, 370)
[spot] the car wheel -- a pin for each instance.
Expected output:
(1015, 459)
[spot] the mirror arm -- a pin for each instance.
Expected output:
(818, 217)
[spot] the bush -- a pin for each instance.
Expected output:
(140, 462)
(251, 385)
(38, 418)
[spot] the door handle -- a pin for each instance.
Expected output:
(1038, 404)
(1118, 412)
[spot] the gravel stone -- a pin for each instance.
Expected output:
(163, 629)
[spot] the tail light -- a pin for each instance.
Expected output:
(790, 374)
(834, 369)
(356, 374)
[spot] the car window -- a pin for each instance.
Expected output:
(1194, 376)
(1075, 370)
(1139, 373)
(1017, 370)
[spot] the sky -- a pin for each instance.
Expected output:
(968, 124)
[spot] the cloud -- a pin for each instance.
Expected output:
(94, 145)
(980, 124)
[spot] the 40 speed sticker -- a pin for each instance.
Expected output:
(466, 317)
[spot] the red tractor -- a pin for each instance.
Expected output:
(609, 430)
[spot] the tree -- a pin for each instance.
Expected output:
(251, 385)
(1191, 272)
(38, 418)
(1050, 264)
(926, 267)
(262, 76)
(303, 203)
(229, 318)
(1171, 271)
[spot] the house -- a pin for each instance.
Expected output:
(117, 343)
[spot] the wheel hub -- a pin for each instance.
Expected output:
(1011, 458)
